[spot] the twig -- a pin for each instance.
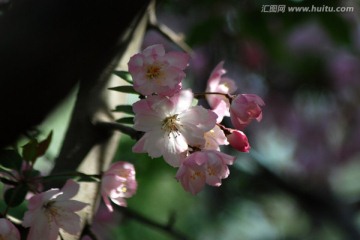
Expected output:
(121, 128)
(166, 31)
(167, 228)
(88, 232)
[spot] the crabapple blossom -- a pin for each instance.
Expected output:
(171, 124)
(51, 210)
(244, 108)
(8, 231)
(218, 84)
(118, 183)
(238, 140)
(206, 166)
(154, 71)
(214, 138)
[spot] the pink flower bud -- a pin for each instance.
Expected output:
(238, 140)
(244, 108)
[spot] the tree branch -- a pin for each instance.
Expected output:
(121, 128)
(167, 228)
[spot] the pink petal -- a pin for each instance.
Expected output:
(215, 76)
(43, 229)
(154, 51)
(139, 146)
(119, 201)
(221, 110)
(155, 143)
(178, 59)
(8, 231)
(226, 85)
(37, 200)
(214, 138)
(68, 221)
(30, 216)
(191, 177)
(182, 101)
(107, 202)
(70, 205)
(70, 189)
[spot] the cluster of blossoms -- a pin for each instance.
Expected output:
(188, 136)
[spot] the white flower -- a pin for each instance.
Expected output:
(171, 124)
(51, 210)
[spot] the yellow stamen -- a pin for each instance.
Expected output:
(171, 124)
(153, 72)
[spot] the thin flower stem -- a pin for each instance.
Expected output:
(66, 175)
(167, 32)
(203, 94)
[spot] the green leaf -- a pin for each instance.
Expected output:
(124, 75)
(124, 89)
(44, 145)
(34, 149)
(15, 196)
(10, 159)
(124, 108)
(126, 120)
(8, 182)
(30, 150)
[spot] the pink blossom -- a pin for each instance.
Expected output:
(8, 231)
(118, 183)
(154, 71)
(216, 83)
(203, 167)
(244, 108)
(214, 138)
(170, 125)
(238, 140)
(51, 210)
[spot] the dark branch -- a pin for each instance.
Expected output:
(121, 128)
(167, 228)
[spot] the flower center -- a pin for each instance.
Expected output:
(196, 175)
(153, 72)
(211, 171)
(50, 210)
(171, 124)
